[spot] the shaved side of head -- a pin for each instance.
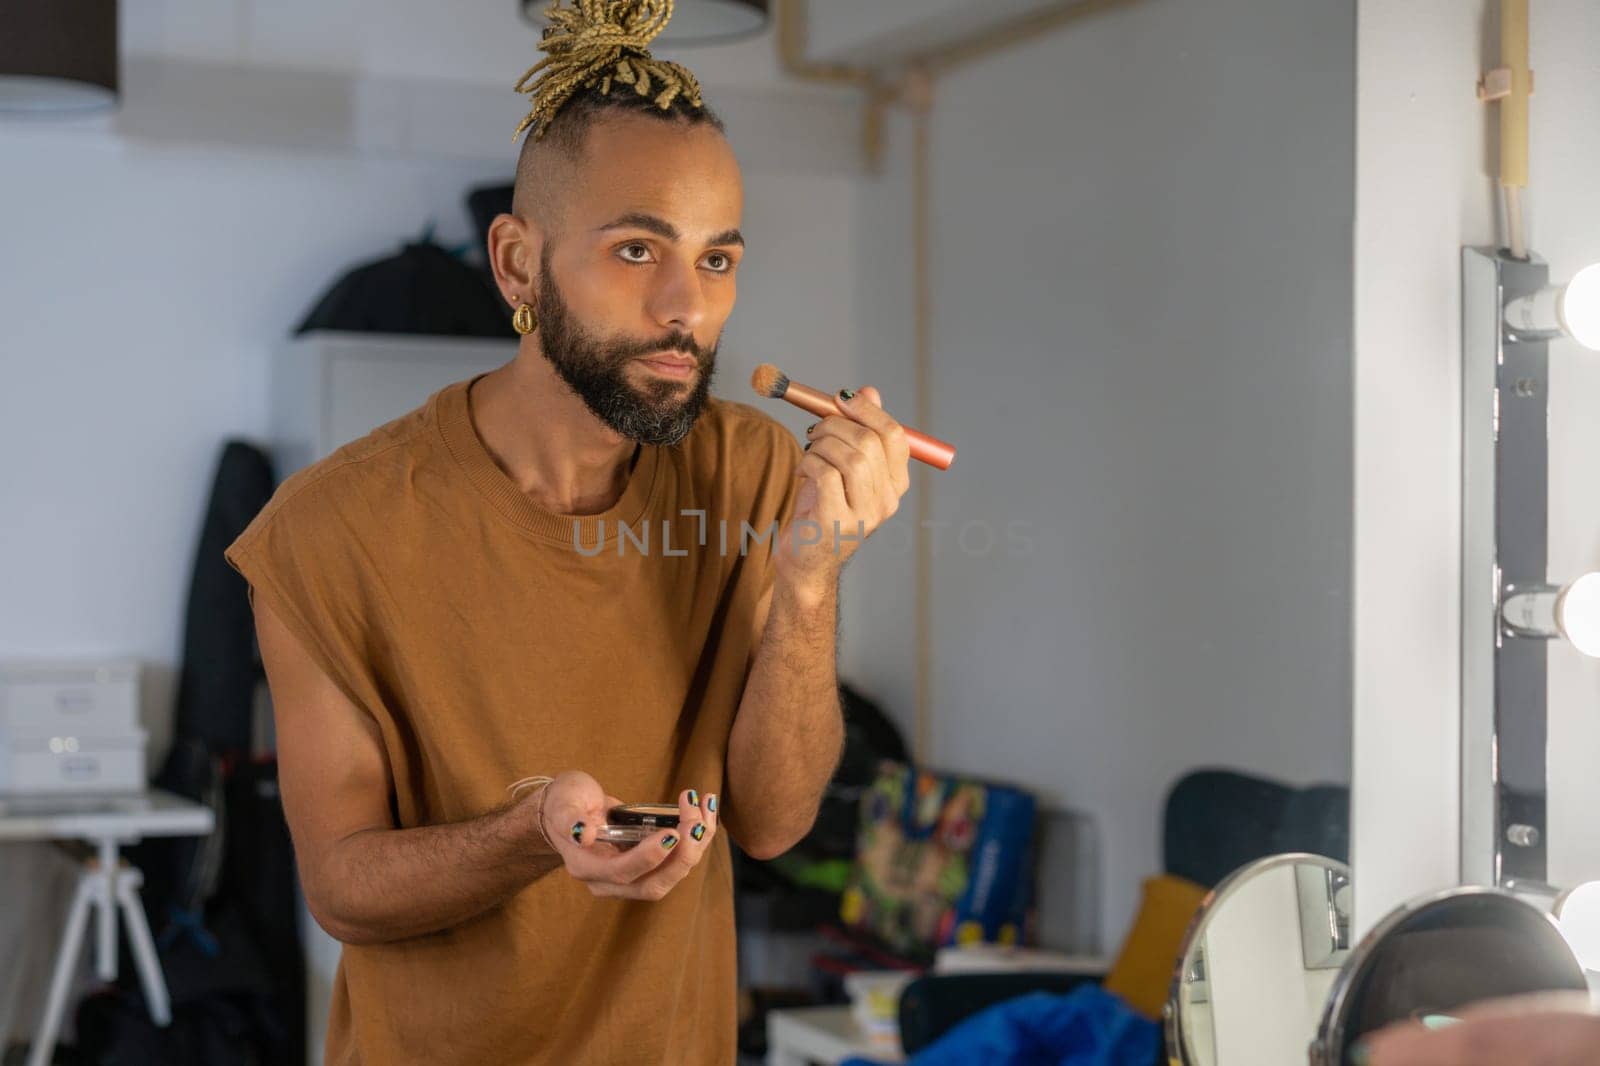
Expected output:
(549, 164)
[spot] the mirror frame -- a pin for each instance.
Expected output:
(1328, 1046)
(1172, 1021)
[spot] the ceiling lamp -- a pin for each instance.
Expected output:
(58, 56)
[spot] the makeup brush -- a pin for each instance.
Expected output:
(774, 384)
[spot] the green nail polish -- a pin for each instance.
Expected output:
(847, 394)
(577, 831)
(669, 841)
(699, 831)
(694, 798)
(711, 803)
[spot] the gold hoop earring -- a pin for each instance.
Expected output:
(525, 321)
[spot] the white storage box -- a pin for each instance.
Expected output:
(45, 699)
(70, 727)
(66, 764)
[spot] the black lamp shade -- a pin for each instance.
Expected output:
(58, 56)
(693, 21)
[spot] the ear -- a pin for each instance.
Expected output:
(514, 249)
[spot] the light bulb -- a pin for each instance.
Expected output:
(1578, 614)
(1580, 307)
(1578, 914)
(1544, 611)
(1572, 309)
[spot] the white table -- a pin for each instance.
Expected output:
(108, 823)
(826, 1035)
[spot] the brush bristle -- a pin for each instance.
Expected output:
(769, 381)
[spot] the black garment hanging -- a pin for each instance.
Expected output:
(223, 906)
(423, 288)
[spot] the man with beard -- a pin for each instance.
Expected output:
(576, 580)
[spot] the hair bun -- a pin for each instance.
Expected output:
(598, 43)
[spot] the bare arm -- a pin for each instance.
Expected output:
(368, 882)
(365, 881)
(788, 734)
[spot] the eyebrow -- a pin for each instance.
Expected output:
(662, 228)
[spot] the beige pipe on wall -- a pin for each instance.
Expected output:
(1514, 119)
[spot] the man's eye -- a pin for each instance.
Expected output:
(719, 262)
(643, 251)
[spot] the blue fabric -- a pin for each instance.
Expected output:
(1086, 1027)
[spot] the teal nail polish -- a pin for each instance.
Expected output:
(847, 394)
(577, 832)
(694, 798)
(711, 803)
(669, 841)
(699, 831)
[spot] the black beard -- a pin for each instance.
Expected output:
(595, 369)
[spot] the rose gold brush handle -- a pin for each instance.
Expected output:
(931, 450)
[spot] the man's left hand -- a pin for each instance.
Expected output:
(854, 471)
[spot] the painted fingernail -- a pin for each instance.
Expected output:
(699, 831)
(669, 841)
(577, 831)
(694, 798)
(812, 428)
(711, 803)
(807, 448)
(847, 394)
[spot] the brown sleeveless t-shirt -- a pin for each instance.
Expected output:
(490, 640)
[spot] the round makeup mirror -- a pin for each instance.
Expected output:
(1432, 957)
(1258, 962)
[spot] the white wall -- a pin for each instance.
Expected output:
(154, 260)
(1420, 195)
(1424, 189)
(482, 42)
(145, 288)
(1141, 347)
(884, 31)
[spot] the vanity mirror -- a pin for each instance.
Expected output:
(1258, 962)
(1430, 958)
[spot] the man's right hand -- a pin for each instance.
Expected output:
(574, 806)
(1548, 1029)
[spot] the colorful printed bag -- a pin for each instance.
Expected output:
(940, 860)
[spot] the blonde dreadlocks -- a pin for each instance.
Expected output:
(595, 44)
